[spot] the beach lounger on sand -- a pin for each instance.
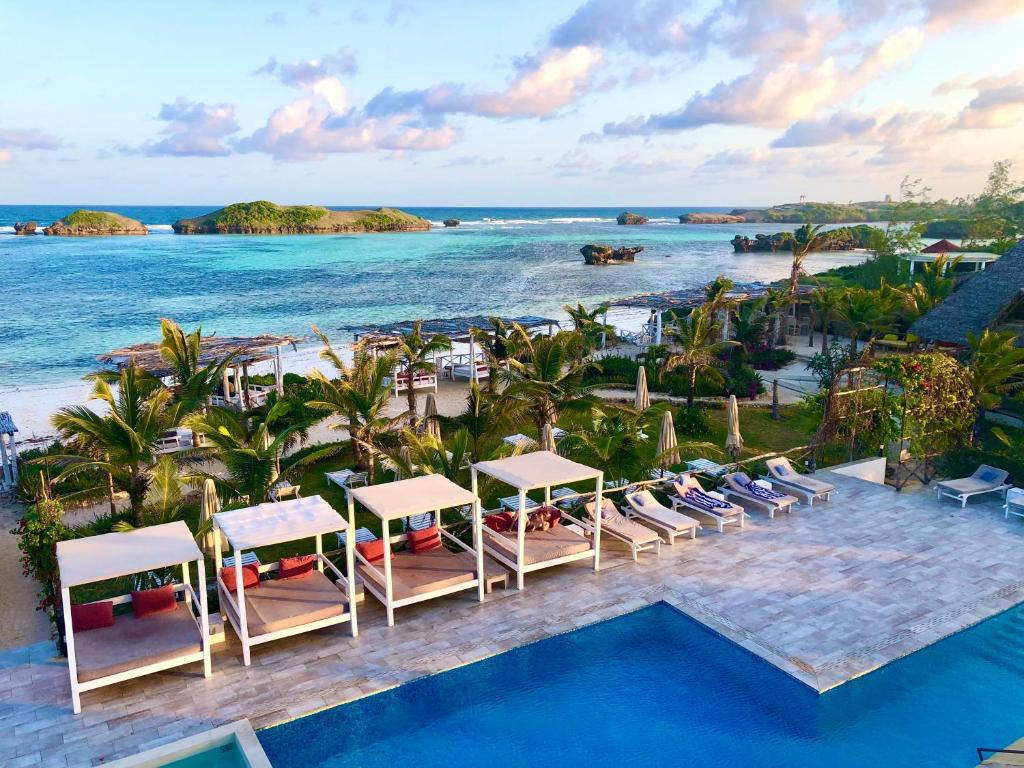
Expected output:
(804, 487)
(690, 494)
(615, 524)
(672, 523)
(346, 478)
(738, 485)
(985, 479)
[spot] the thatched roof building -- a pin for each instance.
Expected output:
(942, 246)
(990, 299)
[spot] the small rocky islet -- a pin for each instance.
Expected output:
(631, 219)
(265, 218)
(606, 254)
(85, 223)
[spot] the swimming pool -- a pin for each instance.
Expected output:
(658, 688)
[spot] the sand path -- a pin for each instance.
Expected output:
(22, 624)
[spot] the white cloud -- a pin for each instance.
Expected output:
(998, 102)
(309, 71)
(576, 162)
(193, 129)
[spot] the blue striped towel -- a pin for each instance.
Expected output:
(704, 501)
(768, 494)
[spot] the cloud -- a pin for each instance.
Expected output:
(998, 102)
(653, 27)
(841, 126)
(28, 138)
(636, 164)
(576, 162)
(473, 160)
(309, 71)
(5, 156)
(943, 15)
(194, 129)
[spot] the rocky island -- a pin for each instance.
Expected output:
(452, 222)
(631, 218)
(605, 254)
(265, 218)
(28, 228)
(710, 218)
(841, 239)
(83, 223)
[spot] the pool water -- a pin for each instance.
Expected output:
(656, 688)
(224, 756)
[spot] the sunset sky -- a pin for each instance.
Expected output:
(738, 102)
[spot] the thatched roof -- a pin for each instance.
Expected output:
(942, 246)
(212, 349)
(455, 328)
(690, 298)
(979, 304)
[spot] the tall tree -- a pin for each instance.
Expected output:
(996, 369)
(496, 345)
(590, 326)
(415, 355)
(863, 312)
(696, 349)
(824, 303)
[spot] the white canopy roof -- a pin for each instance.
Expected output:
(540, 469)
(414, 496)
(282, 521)
(109, 555)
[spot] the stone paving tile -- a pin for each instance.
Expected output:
(826, 594)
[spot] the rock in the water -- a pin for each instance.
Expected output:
(452, 222)
(605, 254)
(631, 218)
(710, 218)
(28, 228)
(83, 223)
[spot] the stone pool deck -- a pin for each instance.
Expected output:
(826, 594)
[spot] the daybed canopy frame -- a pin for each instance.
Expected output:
(541, 470)
(277, 523)
(408, 498)
(112, 555)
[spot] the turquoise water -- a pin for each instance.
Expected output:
(67, 299)
(227, 756)
(656, 688)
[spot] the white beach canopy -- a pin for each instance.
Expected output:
(668, 449)
(276, 523)
(110, 655)
(733, 440)
(531, 471)
(432, 574)
(642, 398)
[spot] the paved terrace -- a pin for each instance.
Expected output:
(826, 594)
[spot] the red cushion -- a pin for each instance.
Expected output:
(250, 576)
(500, 522)
(373, 551)
(294, 567)
(425, 540)
(148, 602)
(543, 518)
(92, 616)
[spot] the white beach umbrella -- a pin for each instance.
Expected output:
(668, 448)
(210, 504)
(733, 440)
(642, 400)
(547, 439)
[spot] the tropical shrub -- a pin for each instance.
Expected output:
(692, 422)
(38, 532)
(771, 358)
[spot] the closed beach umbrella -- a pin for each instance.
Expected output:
(268, 439)
(733, 440)
(430, 408)
(404, 458)
(642, 401)
(668, 448)
(210, 504)
(547, 439)
(434, 428)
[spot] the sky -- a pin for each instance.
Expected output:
(561, 102)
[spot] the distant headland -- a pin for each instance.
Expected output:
(266, 218)
(823, 213)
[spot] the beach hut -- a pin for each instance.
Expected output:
(293, 595)
(161, 632)
(548, 542)
(424, 568)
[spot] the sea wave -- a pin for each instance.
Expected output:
(6, 230)
(161, 228)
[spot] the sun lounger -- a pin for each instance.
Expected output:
(283, 604)
(519, 440)
(346, 478)
(615, 524)
(985, 479)
(803, 486)
(647, 508)
(511, 503)
(539, 546)
(739, 485)
(419, 573)
(690, 494)
(706, 467)
(565, 497)
(664, 475)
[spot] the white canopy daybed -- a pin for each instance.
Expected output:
(420, 571)
(282, 607)
(523, 551)
(126, 646)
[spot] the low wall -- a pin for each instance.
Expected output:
(872, 470)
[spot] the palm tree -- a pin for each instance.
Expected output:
(716, 298)
(496, 345)
(776, 303)
(863, 312)
(545, 378)
(750, 325)
(119, 442)
(423, 454)
(194, 383)
(805, 240)
(358, 396)
(824, 303)
(591, 329)
(996, 369)
(415, 354)
(694, 336)
(931, 285)
(485, 422)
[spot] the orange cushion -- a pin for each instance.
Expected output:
(250, 577)
(92, 616)
(148, 602)
(373, 551)
(425, 540)
(295, 567)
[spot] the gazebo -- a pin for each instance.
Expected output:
(300, 597)
(425, 568)
(106, 649)
(524, 551)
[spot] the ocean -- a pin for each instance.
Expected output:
(65, 300)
